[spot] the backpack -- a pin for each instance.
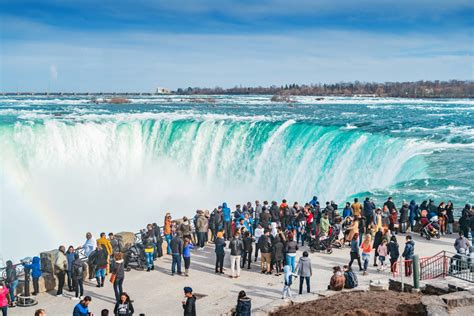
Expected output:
(78, 269)
(351, 280)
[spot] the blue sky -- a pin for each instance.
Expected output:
(90, 45)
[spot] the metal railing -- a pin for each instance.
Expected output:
(434, 267)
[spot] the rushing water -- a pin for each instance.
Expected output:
(68, 165)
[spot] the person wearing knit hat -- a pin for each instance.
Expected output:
(189, 305)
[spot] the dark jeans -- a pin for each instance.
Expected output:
(187, 262)
(246, 256)
(408, 268)
(61, 278)
(36, 285)
(79, 286)
(219, 262)
(201, 239)
(159, 249)
(256, 252)
(227, 230)
(70, 282)
(118, 290)
(176, 264)
(4, 310)
(307, 284)
(355, 256)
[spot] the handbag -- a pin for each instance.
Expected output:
(113, 276)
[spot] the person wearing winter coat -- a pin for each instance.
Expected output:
(70, 260)
(450, 216)
(124, 306)
(350, 278)
(119, 272)
(189, 306)
(404, 212)
(244, 305)
(277, 254)
(236, 247)
(324, 225)
(185, 228)
(377, 241)
(337, 280)
(248, 249)
(408, 254)
(101, 260)
(78, 276)
(176, 245)
(220, 252)
(304, 271)
(158, 241)
(82, 308)
(11, 280)
(368, 211)
(355, 253)
(4, 298)
(275, 212)
(291, 247)
(347, 211)
(413, 214)
(462, 243)
(202, 226)
(394, 253)
(265, 247)
(227, 221)
(60, 268)
(383, 252)
(35, 267)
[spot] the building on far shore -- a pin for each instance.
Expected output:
(161, 90)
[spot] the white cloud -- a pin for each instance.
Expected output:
(142, 61)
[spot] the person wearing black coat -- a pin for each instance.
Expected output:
(244, 305)
(277, 254)
(247, 253)
(159, 241)
(450, 216)
(124, 306)
(189, 305)
(377, 241)
(394, 252)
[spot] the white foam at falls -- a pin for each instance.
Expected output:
(120, 175)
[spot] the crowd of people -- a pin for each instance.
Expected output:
(270, 232)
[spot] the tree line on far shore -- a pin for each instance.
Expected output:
(418, 89)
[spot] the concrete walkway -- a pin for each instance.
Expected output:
(159, 293)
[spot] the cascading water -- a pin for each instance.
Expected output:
(65, 174)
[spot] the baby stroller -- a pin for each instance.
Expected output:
(135, 257)
(322, 244)
(430, 228)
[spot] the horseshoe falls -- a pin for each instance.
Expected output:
(68, 165)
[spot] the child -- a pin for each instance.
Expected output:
(288, 280)
(383, 252)
(187, 255)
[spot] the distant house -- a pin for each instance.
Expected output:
(162, 91)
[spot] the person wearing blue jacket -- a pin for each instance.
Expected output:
(70, 261)
(408, 254)
(82, 308)
(35, 267)
(227, 221)
(413, 214)
(314, 201)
